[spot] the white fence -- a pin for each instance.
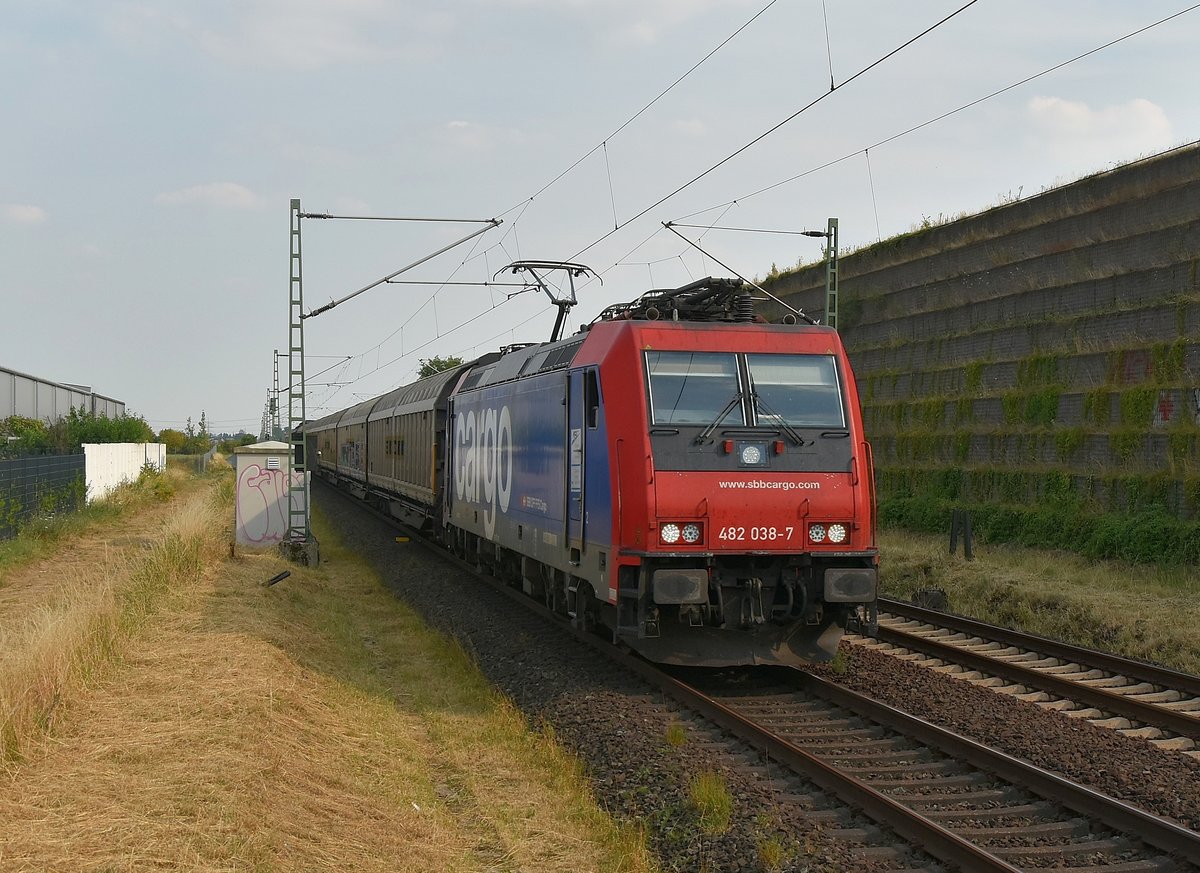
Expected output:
(110, 464)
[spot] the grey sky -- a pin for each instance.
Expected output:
(151, 149)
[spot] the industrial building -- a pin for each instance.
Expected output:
(31, 397)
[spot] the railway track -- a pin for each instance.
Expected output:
(967, 804)
(1137, 699)
(950, 798)
(897, 789)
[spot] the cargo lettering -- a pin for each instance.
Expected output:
(483, 461)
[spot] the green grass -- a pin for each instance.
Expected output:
(43, 535)
(712, 801)
(1146, 612)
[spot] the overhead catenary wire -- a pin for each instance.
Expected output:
(937, 118)
(750, 282)
(641, 111)
(874, 202)
(828, 48)
(778, 125)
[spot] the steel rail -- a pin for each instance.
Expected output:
(1152, 829)
(1100, 698)
(1103, 660)
(938, 841)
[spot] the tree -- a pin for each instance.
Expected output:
(197, 441)
(436, 364)
(81, 426)
(173, 439)
(19, 435)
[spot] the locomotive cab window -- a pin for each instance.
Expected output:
(591, 399)
(693, 387)
(802, 390)
(744, 389)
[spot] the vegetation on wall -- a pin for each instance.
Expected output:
(1065, 515)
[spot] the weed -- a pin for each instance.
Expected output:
(712, 801)
(841, 661)
(1037, 370)
(1137, 406)
(1067, 442)
(771, 853)
(1126, 442)
(676, 735)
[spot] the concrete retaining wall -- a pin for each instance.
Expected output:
(1054, 336)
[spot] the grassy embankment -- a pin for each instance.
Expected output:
(1137, 610)
(166, 708)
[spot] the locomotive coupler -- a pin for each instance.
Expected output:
(752, 605)
(651, 624)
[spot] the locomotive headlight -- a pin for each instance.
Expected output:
(669, 533)
(837, 533)
(816, 533)
(752, 454)
(691, 533)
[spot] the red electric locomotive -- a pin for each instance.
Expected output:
(680, 471)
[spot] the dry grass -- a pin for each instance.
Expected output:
(140, 506)
(66, 621)
(312, 725)
(1139, 611)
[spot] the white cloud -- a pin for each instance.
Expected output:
(21, 213)
(691, 127)
(472, 136)
(1073, 129)
(344, 205)
(626, 22)
(223, 195)
(293, 34)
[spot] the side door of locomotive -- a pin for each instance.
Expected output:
(583, 438)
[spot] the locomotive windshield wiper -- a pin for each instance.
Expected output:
(760, 405)
(707, 432)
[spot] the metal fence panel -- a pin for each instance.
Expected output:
(39, 485)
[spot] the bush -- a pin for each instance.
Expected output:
(1150, 536)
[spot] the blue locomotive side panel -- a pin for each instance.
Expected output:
(508, 460)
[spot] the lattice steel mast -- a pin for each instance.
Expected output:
(299, 527)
